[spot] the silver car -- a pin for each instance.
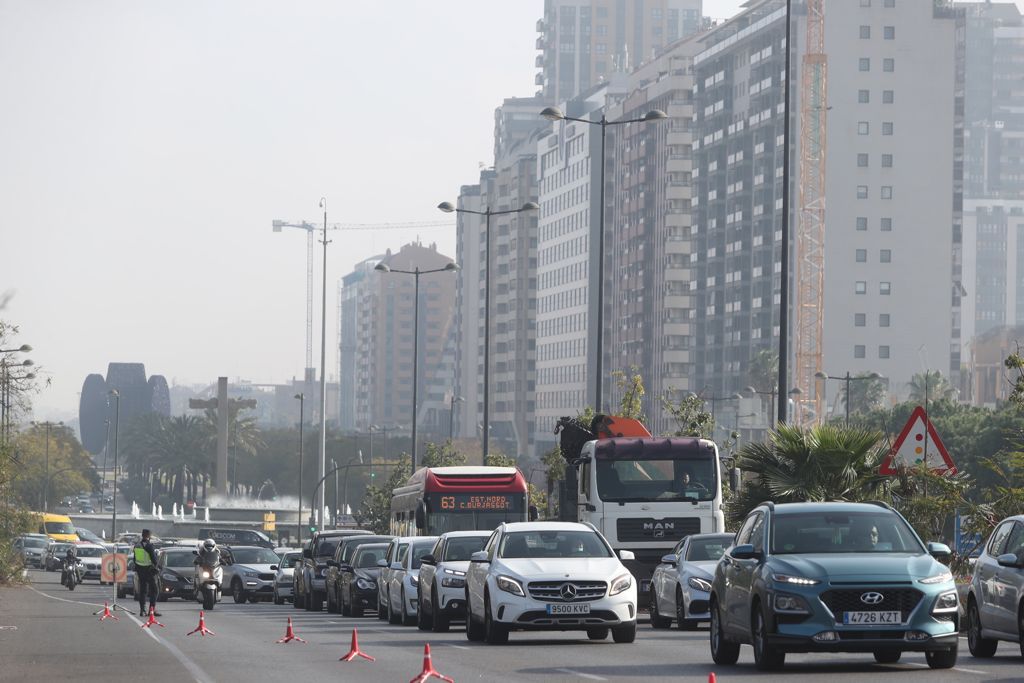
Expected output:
(397, 549)
(284, 579)
(247, 572)
(32, 549)
(404, 581)
(681, 585)
(995, 597)
(442, 581)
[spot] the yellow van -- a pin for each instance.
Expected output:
(57, 527)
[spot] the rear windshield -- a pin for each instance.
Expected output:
(459, 549)
(843, 532)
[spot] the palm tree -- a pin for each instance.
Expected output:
(763, 370)
(930, 386)
(180, 453)
(243, 435)
(819, 463)
(866, 393)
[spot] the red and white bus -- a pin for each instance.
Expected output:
(440, 499)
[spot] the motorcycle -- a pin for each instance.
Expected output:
(71, 574)
(207, 585)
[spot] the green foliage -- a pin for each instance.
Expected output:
(441, 455)
(631, 386)
(763, 370)
(375, 511)
(931, 385)
(690, 416)
(866, 393)
(69, 467)
(1015, 364)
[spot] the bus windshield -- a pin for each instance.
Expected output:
(640, 480)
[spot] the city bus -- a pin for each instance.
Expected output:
(440, 499)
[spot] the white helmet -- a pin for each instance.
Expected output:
(209, 544)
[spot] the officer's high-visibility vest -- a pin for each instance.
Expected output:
(142, 558)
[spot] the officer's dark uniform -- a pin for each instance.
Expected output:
(145, 568)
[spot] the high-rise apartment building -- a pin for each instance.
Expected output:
(584, 42)
(356, 295)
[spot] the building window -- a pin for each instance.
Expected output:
(860, 319)
(886, 225)
(883, 351)
(863, 128)
(860, 287)
(889, 64)
(863, 96)
(858, 350)
(862, 192)
(885, 256)
(887, 97)
(886, 191)
(862, 160)
(886, 161)
(889, 32)
(862, 256)
(864, 64)
(862, 222)
(889, 3)
(865, 32)
(883, 320)
(885, 288)
(886, 127)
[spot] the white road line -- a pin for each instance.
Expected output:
(581, 674)
(459, 647)
(955, 668)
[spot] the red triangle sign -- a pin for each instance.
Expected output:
(910, 447)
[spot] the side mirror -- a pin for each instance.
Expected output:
(479, 556)
(382, 564)
(396, 566)
(744, 552)
(273, 567)
(534, 514)
(669, 559)
(428, 559)
(306, 553)
(421, 514)
(1008, 560)
(939, 550)
(627, 555)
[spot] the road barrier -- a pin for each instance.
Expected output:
(289, 634)
(107, 614)
(428, 669)
(201, 629)
(152, 619)
(355, 651)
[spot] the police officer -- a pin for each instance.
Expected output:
(145, 570)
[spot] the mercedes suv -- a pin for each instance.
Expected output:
(832, 577)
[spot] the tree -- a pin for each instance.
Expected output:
(631, 386)
(763, 370)
(243, 439)
(375, 511)
(66, 471)
(866, 393)
(690, 416)
(931, 385)
(820, 463)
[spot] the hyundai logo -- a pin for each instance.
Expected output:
(871, 598)
(568, 591)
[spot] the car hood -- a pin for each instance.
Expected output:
(370, 574)
(557, 569)
(286, 571)
(258, 568)
(705, 570)
(858, 567)
(459, 566)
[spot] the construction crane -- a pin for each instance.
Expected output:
(810, 260)
(311, 228)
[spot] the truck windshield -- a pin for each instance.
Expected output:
(639, 480)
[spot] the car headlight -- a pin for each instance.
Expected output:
(947, 602)
(620, 584)
(454, 572)
(365, 584)
(167, 576)
(699, 584)
(453, 582)
(510, 585)
(938, 578)
(794, 580)
(206, 574)
(251, 575)
(785, 602)
(322, 573)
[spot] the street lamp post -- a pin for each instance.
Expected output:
(117, 423)
(323, 361)
(416, 273)
(555, 114)
(448, 207)
(451, 417)
(715, 400)
(5, 387)
(46, 483)
(302, 401)
(846, 378)
(773, 393)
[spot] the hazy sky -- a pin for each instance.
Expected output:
(145, 148)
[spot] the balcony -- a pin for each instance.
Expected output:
(679, 191)
(679, 138)
(678, 301)
(679, 164)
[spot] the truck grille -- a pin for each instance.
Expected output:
(649, 529)
(551, 591)
(902, 599)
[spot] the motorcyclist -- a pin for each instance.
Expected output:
(209, 554)
(70, 560)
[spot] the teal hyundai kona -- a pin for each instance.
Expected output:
(832, 577)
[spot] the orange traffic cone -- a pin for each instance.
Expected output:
(107, 614)
(201, 629)
(152, 619)
(289, 635)
(355, 651)
(428, 668)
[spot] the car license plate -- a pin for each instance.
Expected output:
(569, 609)
(872, 617)
(645, 586)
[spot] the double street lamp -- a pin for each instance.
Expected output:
(416, 273)
(555, 114)
(846, 378)
(448, 207)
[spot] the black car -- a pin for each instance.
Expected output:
(310, 584)
(54, 559)
(340, 565)
(359, 586)
(175, 570)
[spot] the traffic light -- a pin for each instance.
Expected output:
(312, 524)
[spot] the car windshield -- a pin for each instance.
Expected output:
(253, 556)
(326, 548)
(635, 479)
(419, 550)
(34, 542)
(707, 549)
(367, 556)
(59, 548)
(59, 528)
(90, 552)
(552, 543)
(843, 532)
(289, 560)
(353, 544)
(180, 559)
(460, 548)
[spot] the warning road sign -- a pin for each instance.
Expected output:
(918, 443)
(114, 568)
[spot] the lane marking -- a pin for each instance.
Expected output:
(459, 647)
(955, 668)
(581, 674)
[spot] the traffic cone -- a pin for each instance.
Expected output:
(152, 619)
(201, 629)
(711, 677)
(428, 669)
(107, 614)
(289, 635)
(355, 651)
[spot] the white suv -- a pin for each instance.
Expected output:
(442, 589)
(550, 576)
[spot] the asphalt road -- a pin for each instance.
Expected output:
(56, 637)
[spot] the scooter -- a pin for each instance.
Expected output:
(72, 574)
(207, 585)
